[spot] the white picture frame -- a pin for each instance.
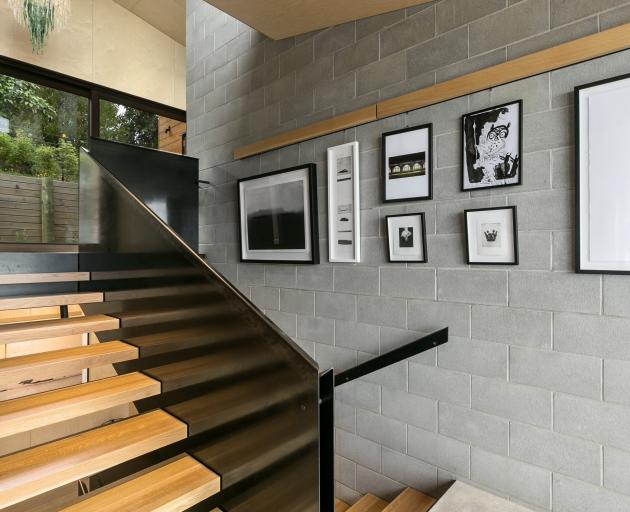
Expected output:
(344, 209)
(602, 178)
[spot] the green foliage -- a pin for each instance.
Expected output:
(20, 155)
(128, 125)
(18, 97)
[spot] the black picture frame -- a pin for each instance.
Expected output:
(423, 234)
(464, 188)
(515, 260)
(312, 211)
(579, 269)
(428, 163)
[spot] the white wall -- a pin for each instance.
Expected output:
(106, 44)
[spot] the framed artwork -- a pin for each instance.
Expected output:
(602, 179)
(408, 164)
(491, 236)
(407, 238)
(344, 213)
(278, 216)
(493, 145)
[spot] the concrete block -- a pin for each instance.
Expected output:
(411, 409)
(439, 384)
(282, 276)
(357, 55)
(555, 452)
(382, 311)
(570, 495)
(437, 52)
(358, 449)
(409, 471)
(599, 336)
(428, 316)
(318, 278)
(408, 283)
(266, 298)
(377, 75)
(408, 32)
(296, 58)
(377, 484)
(332, 39)
(484, 358)
(297, 301)
(357, 279)
(565, 11)
(382, 430)
(440, 451)
(336, 305)
(616, 375)
(479, 286)
(357, 336)
(511, 401)
(360, 394)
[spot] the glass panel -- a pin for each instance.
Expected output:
(41, 131)
(120, 123)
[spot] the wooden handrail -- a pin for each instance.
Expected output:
(566, 54)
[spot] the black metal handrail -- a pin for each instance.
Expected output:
(394, 356)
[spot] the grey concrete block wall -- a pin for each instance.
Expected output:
(530, 397)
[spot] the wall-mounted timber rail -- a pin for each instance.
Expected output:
(550, 59)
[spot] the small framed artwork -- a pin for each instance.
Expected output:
(407, 238)
(492, 236)
(278, 216)
(602, 178)
(344, 213)
(407, 164)
(493, 146)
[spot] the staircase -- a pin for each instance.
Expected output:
(135, 378)
(407, 501)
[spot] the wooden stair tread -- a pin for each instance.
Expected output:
(44, 277)
(369, 503)
(69, 361)
(35, 411)
(218, 365)
(237, 401)
(40, 301)
(144, 273)
(37, 470)
(161, 291)
(143, 316)
(244, 452)
(411, 500)
(26, 331)
(173, 487)
(341, 506)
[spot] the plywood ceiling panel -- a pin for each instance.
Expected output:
(168, 16)
(278, 19)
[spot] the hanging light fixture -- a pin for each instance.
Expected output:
(40, 17)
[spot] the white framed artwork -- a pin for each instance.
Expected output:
(602, 177)
(344, 212)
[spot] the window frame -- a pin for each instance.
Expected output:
(93, 92)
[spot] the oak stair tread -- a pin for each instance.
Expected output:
(237, 401)
(411, 500)
(43, 409)
(190, 337)
(369, 503)
(218, 365)
(139, 317)
(161, 291)
(107, 275)
(69, 361)
(173, 487)
(44, 277)
(27, 331)
(243, 452)
(341, 506)
(37, 470)
(41, 301)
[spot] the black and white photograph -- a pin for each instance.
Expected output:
(344, 219)
(407, 238)
(278, 216)
(407, 164)
(602, 178)
(491, 236)
(493, 147)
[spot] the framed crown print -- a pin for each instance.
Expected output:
(407, 164)
(602, 179)
(491, 236)
(493, 145)
(278, 216)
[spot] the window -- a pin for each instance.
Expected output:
(129, 125)
(41, 131)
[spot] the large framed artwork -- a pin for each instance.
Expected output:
(407, 238)
(602, 177)
(407, 164)
(344, 213)
(491, 236)
(278, 216)
(493, 145)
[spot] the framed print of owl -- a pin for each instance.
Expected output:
(491, 236)
(493, 147)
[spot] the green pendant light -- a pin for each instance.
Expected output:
(40, 17)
